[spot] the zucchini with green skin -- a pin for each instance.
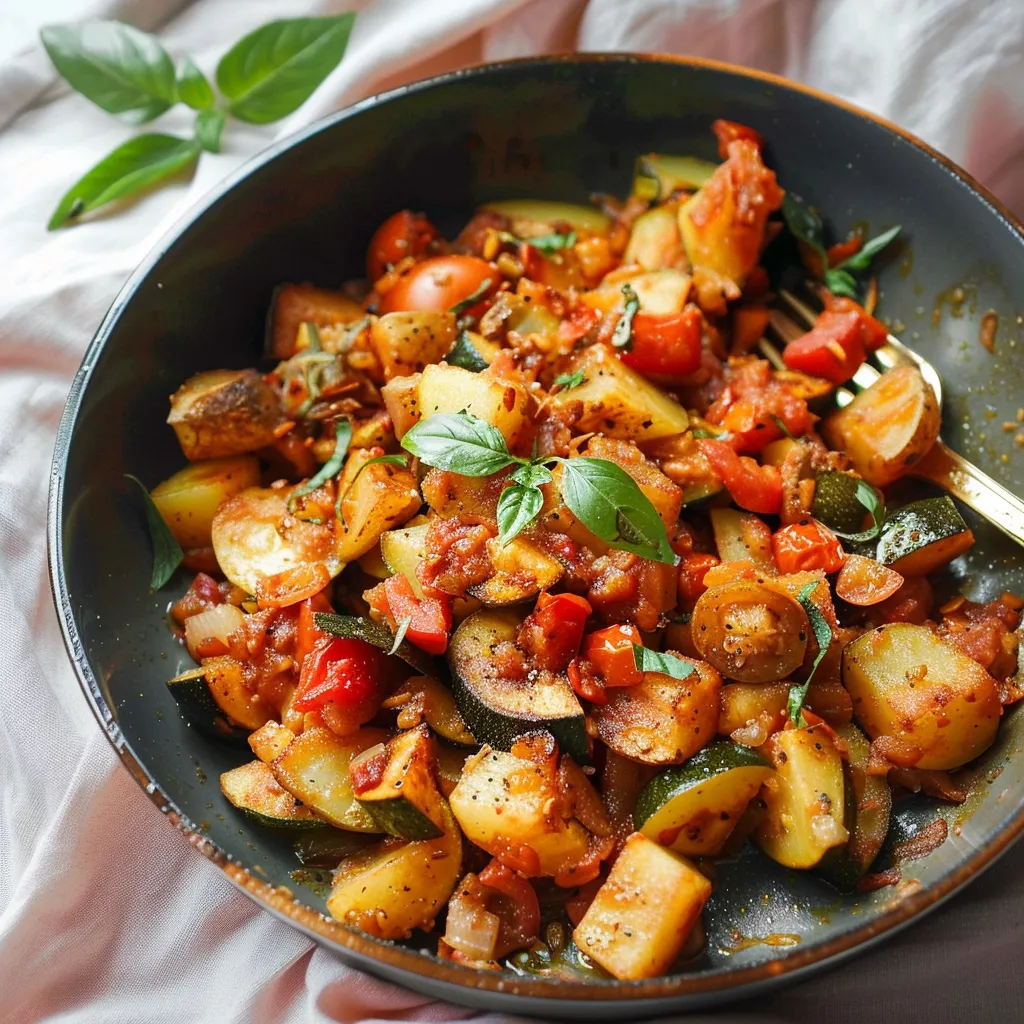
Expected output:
(658, 175)
(402, 797)
(314, 768)
(693, 809)
(424, 698)
(253, 789)
(924, 536)
(835, 502)
(868, 809)
(498, 710)
(214, 699)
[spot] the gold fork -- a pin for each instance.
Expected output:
(942, 466)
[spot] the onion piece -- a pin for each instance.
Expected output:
(215, 623)
(471, 929)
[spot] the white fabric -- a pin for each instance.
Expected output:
(106, 914)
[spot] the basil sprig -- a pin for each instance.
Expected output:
(823, 634)
(167, 553)
(622, 336)
(331, 468)
(805, 224)
(646, 660)
(568, 381)
(265, 76)
(552, 242)
(604, 497)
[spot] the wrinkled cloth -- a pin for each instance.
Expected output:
(106, 914)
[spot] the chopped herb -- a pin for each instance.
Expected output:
(823, 635)
(552, 242)
(647, 660)
(622, 336)
(568, 381)
(472, 299)
(331, 468)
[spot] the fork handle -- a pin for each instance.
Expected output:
(965, 481)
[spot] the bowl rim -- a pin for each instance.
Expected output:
(370, 953)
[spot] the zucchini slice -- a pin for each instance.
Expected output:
(358, 627)
(503, 802)
(314, 769)
(253, 789)
(640, 918)
(392, 887)
(693, 809)
(403, 798)
(215, 701)
(498, 710)
(541, 216)
(657, 175)
(835, 502)
(868, 809)
(923, 536)
(522, 571)
(424, 698)
(805, 799)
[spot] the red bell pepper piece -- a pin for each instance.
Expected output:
(807, 546)
(430, 618)
(692, 569)
(553, 631)
(837, 344)
(351, 674)
(308, 631)
(666, 346)
(610, 651)
(752, 486)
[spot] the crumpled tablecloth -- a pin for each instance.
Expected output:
(106, 914)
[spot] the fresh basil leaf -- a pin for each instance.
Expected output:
(355, 627)
(459, 442)
(867, 496)
(133, 166)
(861, 259)
(607, 500)
(403, 628)
(622, 336)
(803, 221)
(331, 468)
(703, 434)
(823, 635)
(552, 242)
(465, 354)
(568, 381)
(680, 618)
(534, 474)
(841, 282)
(380, 460)
(272, 71)
(209, 125)
(193, 88)
(646, 660)
(472, 299)
(517, 508)
(167, 553)
(122, 70)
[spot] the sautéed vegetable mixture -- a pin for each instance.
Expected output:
(534, 587)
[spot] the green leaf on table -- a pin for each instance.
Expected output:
(167, 553)
(646, 660)
(841, 282)
(332, 467)
(209, 125)
(803, 221)
(131, 167)
(122, 70)
(518, 506)
(272, 71)
(568, 381)
(459, 442)
(551, 243)
(823, 635)
(607, 500)
(193, 87)
(622, 336)
(861, 259)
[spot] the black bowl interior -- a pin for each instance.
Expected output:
(561, 128)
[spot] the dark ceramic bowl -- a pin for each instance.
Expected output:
(559, 128)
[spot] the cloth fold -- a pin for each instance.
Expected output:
(106, 914)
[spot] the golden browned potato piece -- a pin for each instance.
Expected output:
(662, 720)
(750, 632)
(887, 427)
(932, 705)
(224, 412)
(406, 343)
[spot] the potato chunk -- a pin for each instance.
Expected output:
(500, 402)
(224, 412)
(927, 704)
(642, 915)
(406, 343)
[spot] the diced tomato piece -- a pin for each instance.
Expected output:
(351, 674)
(308, 632)
(730, 131)
(552, 633)
(692, 569)
(807, 546)
(585, 682)
(430, 618)
(292, 586)
(836, 345)
(610, 651)
(666, 346)
(754, 487)
(580, 321)
(403, 234)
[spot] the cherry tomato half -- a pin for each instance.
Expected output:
(402, 234)
(438, 284)
(666, 346)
